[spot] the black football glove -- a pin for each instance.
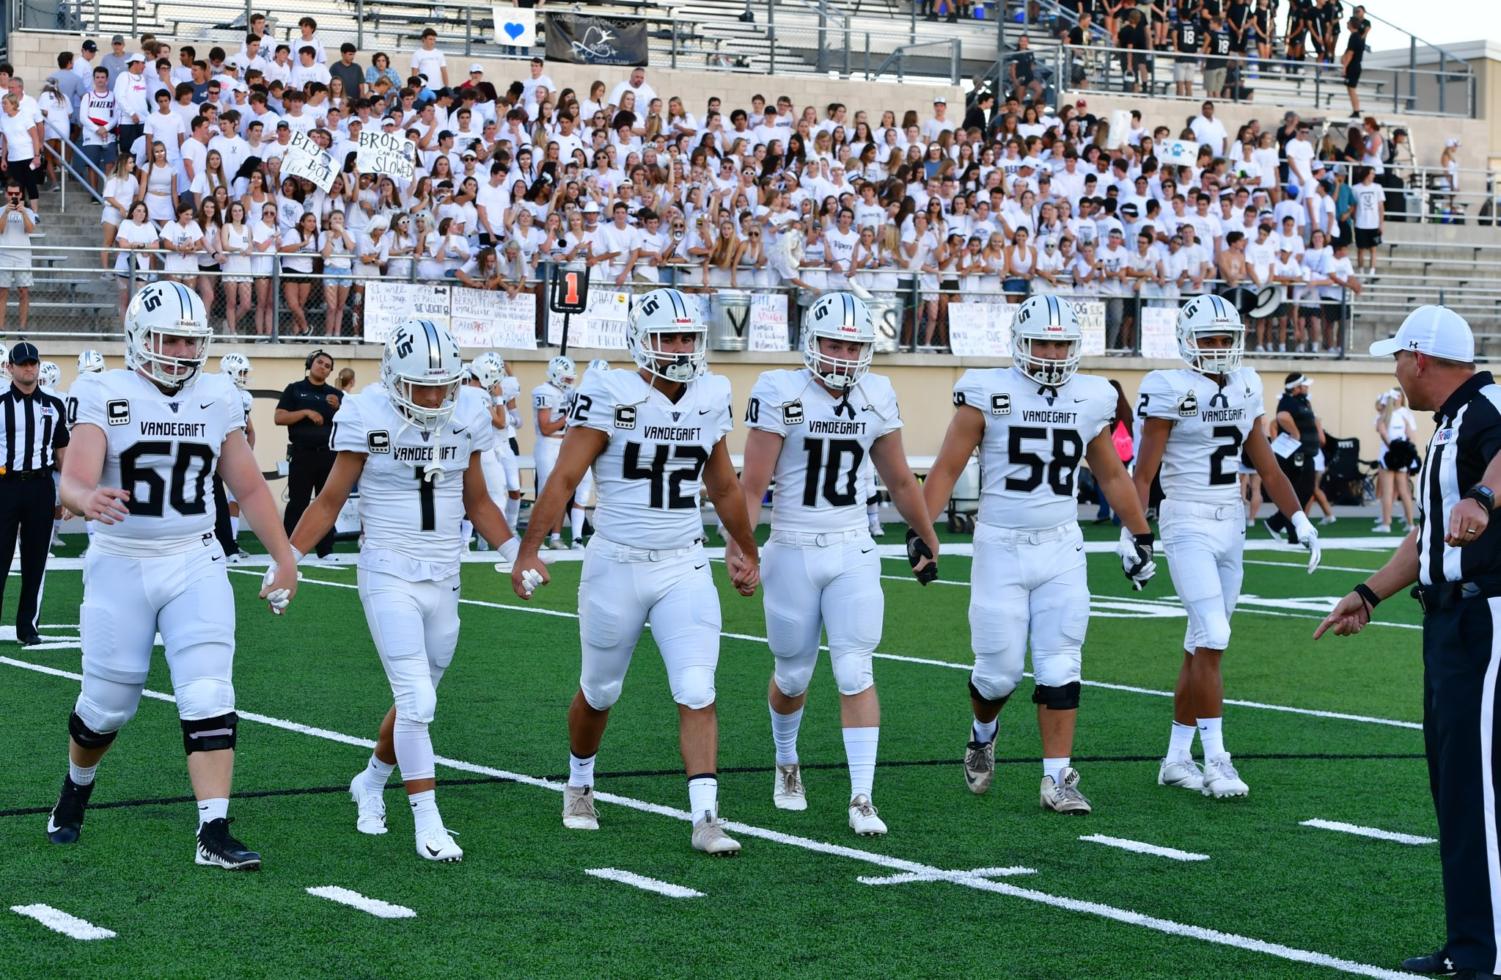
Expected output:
(919, 552)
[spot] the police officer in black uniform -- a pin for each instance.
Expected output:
(307, 409)
(33, 434)
(1454, 556)
(1296, 418)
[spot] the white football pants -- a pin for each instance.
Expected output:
(813, 582)
(1203, 545)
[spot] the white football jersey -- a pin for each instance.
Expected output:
(162, 449)
(411, 522)
(649, 477)
(826, 444)
(1034, 443)
(1210, 424)
(549, 396)
(510, 388)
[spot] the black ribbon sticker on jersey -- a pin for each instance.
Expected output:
(625, 416)
(958, 399)
(378, 441)
(1189, 406)
(117, 411)
(1000, 403)
(792, 413)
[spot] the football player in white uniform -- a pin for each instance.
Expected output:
(89, 362)
(654, 437)
(1033, 423)
(236, 367)
(1196, 423)
(550, 403)
(583, 494)
(814, 430)
(493, 375)
(144, 445)
(417, 447)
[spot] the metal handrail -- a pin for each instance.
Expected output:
(899, 55)
(78, 154)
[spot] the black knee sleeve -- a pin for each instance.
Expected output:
(975, 693)
(209, 734)
(1064, 698)
(86, 736)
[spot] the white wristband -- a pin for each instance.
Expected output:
(497, 399)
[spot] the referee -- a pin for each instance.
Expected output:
(33, 434)
(1454, 554)
(306, 408)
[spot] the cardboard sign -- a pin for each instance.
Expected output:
(386, 153)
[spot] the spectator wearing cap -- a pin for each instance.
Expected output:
(85, 63)
(130, 88)
(116, 60)
(429, 61)
(940, 123)
(345, 69)
(33, 440)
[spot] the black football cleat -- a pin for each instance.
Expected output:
(66, 820)
(217, 848)
(1434, 964)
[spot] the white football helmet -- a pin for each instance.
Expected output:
(49, 375)
(1046, 318)
(561, 372)
(838, 316)
(162, 310)
(420, 353)
(489, 368)
(237, 366)
(90, 362)
(1208, 316)
(665, 311)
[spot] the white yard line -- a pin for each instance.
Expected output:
(641, 881)
(906, 878)
(1139, 847)
(1359, 831)
(1098, 909)
(58, 921)
(377, 908)
(929, 662)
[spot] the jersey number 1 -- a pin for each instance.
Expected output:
(425, 497)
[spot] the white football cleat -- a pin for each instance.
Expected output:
(1062, 795)
(709, 837)
(863, 818)
(578, 808)
(979, 765)
(1183, 773)
(371, 807)
(1221, 779)
(787, 789)
(438, 845)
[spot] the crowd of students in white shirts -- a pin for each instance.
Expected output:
(924, 207)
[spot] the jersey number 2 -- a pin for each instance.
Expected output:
(1224, 462)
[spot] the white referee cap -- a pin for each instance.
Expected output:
(1434, 330)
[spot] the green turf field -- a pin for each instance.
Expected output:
(1321, 732)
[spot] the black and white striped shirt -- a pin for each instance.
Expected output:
(1467, 437)
(32, 429)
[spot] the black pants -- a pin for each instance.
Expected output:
(1300, 473)
(26, 512)
(129, 133)
(1459, 684)
(307, 470)
(222, 528)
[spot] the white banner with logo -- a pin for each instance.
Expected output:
(306, 159)
(389, 303)
(386, 153)
(601, 326)
(1159, 333)
(515, 26)
(490, 319)
(1178, 153)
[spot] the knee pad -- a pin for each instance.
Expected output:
(1063, 698)
(852, 671)
(418, 705)
(1056, 668)
(793, 675)
(1212, 632)
(979, 695)
(97, 718)
(205, 697)
(693, 687)
(209, 734)
(88, 737)
(992, 679)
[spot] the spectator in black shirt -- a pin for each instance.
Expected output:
(980, 114)
(1188, 41)
(1354, 53)
(307, 408)
(1022, 69)
(1297, 420)
(345, 69)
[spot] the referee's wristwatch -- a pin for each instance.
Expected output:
(1483, 495)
